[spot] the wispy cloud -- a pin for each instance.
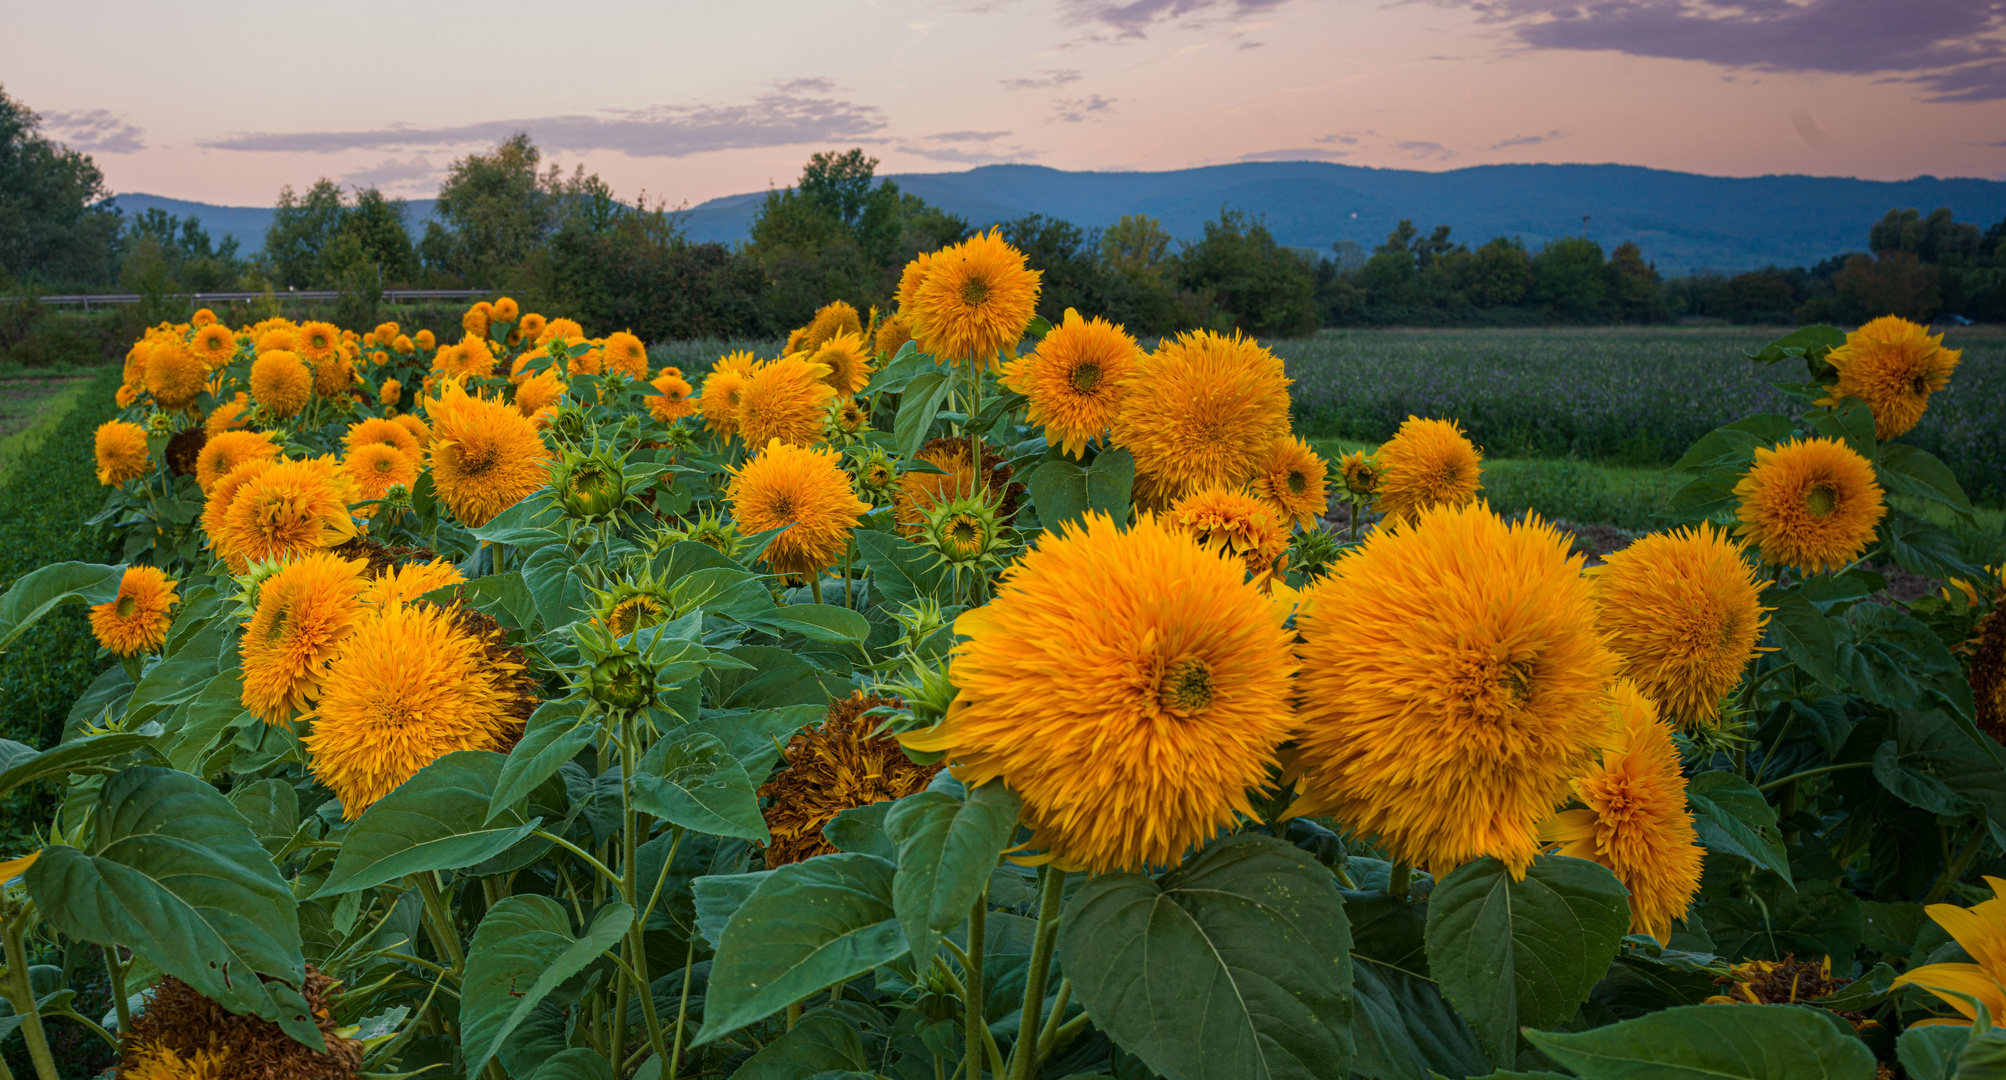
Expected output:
(94, 131)
(1134, 18)
(1074, 110)
(1052, 77)
(1305, 153)
(1526, 140)
(415, 174)
(795, 112)
(1955, 50)
(967, 136)
(1422, 150)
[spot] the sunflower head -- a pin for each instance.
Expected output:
(848, 359)
(231, 415)
(917, 491)
(966, 535)
(291, 508)
(589, 486)
(832, 320)
(426, 340)
(504, 310)
(1203, 410)
(333, 376)
(877, 474)
(1074, 379)
(136, 621)
(847, 421)
(1291, 480)
(229, 449)
(626, 355)
(1682, 610)
(121, 452)
(891, 336)
(280, 336)
(1453, 683)
(1985, 667)
(471, 357)
(1234, 524)
(787, 485)
(837, 765)
(375, 468)
(1633, 817)
(539, 396)
(182, 1035)
(784, 400)
(1361, 476)
(175, 375)
(214, 344)
(1893, 365)
(723, 389)
(531, 326)
(303, 612)
(1777, 982)
(485, 456)
(475, 320)
(1809, 503)
(1426, 463)
(1128, 685)
(976, 299)
(671, 400)
(281, 383)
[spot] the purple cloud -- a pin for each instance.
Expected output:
(1053, 77)
(94, 131)
(1074, 110)
(1134, 17)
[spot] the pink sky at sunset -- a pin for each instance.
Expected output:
(226, 102)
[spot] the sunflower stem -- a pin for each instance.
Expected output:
(682, 1010)
(815, 585)
(630, 892)
(971, 997)
(444, 937)
(1400, 880)
(1957, 866)
(793, 1014)
(116, 971)
(22, 993)
(1793, 777)
(1058, 1016)
(1051, 894)
(849, 552)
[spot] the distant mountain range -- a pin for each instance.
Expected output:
(1683, 221)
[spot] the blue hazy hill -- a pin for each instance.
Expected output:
(1683, 221)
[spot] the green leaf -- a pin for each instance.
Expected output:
(773, 678)
(521, 951)
(437, 820)
(1235, 966)
(1804, 341)
(756, 736)
(40, 591)
(820, 1043)
(204, 720)
(178, 678)
(1798, 628)
(176, 875)
(1851, 421)
(717, 897)
(901, 571)
(1817, 919)
(695, 782)
(905, 365)
(21, 764)
(946, 848)
(273, 809)
(1905, 470)
(530, 522)
(1405, 1030)
(576, 1063)
(826, 623)
(1911, 783)
(1511, 953)
(805, 926)
(1063, 491)
(917, 408)
(556, 732)
(862, 828)
(1920, 546)
(1930, 1052)
(1711, 1042)
(1895, 660)
(1730, 815)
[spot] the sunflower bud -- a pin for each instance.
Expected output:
(877, 475)
(966, 535)
(623, 682)
(589, 485)
(1310, 552)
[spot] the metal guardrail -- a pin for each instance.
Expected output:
(389, 295)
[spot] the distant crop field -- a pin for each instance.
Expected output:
(1631, 395)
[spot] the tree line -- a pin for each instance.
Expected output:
(510, 221)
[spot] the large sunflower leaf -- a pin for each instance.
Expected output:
(41, 591)
(946, 848)
(556, 732)
(695, 782)
(21, 764)
(437, 820)
(521, 951)
(1235, 966)
(1523, 952)
(176, 876)
(1709, 1042)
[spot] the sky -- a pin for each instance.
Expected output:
(225, 102)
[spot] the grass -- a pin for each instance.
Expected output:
(31, 407)
(1624, 396)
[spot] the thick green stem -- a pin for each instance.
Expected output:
(630, 892)
(445, 937)
(815, 584)
(971, 998)
(1774, 784)
(682, 1012)
(22, 993)
(793, 1014)
(1400, 880)
(1052, 1022)
(1051, 894)
(116, 970)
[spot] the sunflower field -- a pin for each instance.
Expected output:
(961, 695)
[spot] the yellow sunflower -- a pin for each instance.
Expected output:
(723, 388)
(1202, 411)
(216, 507)
(848, 360)
(231, 415)
(1809, 503)
(474, 321)
(228, 449)
(135, 621)
(158, 1061)
(1292, 481)
(426, 341)
(626, 355)
(333, 376)
(837, 765)
(807, 489)
(537, 396)
(671, 400)
(387, 332)
(175, 376)
(376, 429)
(319, 342)
(279, 337)
(1981, 930)
(202, 317)
(390, 393)
(126, 396)
(784, 400)
(406, 688)
(470, 357)
(1426, 463)
(1236, 524)
(977, 299)
(1893, 365)
(1074, 378)
(531, 326)
(1682, 610)
(281, 383)
(917, 492)
(892, 335)
(910, 279)
(304, 611)
(1453, 683)
(410, 581)
(560, 330)
(504, 310)
(831, 319)
(1128, 685)
(375, 468)
(416, 427)
(590, 362)
(121, 452)
(1633, 817)
(485, 456)
(214, 345)
(291, 509)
